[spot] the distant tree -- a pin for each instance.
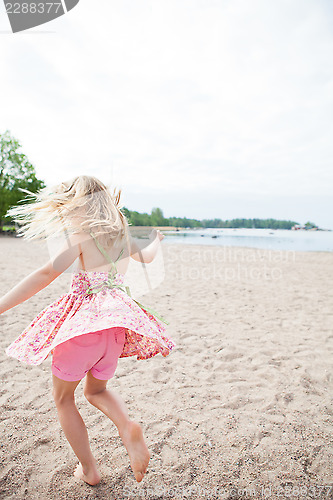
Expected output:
(126, 212)
(212, 223)
(15, 172)
(156, 217)
(310, 225)
(184, 222)
(136, 219)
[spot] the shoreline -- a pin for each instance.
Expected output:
(225, 248)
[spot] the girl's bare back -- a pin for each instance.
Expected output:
(91, 259)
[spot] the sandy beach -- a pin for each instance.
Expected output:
(241, 409)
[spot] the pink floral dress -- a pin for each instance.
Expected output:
(96, 301)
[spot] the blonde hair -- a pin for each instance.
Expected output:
(82, 204)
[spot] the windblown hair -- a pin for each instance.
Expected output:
(82, 204)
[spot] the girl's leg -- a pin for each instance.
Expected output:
(75, 429)
(130, 432)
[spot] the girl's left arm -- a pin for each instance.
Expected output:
(43, 276)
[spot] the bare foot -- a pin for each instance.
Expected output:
(135, 445)
(92, 477)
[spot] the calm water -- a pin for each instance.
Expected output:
(279, 239)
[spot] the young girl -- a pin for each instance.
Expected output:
(89, 328)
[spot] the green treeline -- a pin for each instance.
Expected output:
(250, 223)
(16, 172)
(156, 218)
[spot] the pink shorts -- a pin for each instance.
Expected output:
(97, 352)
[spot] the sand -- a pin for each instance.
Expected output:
(241, 409)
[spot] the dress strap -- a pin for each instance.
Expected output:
(101, 249)
(110, 283)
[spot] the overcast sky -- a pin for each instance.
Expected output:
(204, 108)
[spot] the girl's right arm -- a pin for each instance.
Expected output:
(147, 254)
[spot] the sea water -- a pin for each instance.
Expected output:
(273, 239)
